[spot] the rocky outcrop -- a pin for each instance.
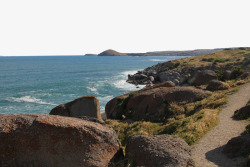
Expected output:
(237, 146)
(245, 75)
(167, 71)
(47, 140)
(158, 150)
(150, 103)
(111, 52)
(172, 76)
(227, 75)
(203, 77)
(83, 106)
(214, 85)
(242, 113)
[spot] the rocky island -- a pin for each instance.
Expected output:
(163, 124)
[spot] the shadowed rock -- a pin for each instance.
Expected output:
(83, 106)
(203, 77)
(158, 150)
(46, 140)
(150, 103)
(217, 85)
(237, 146)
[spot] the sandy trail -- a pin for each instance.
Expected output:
(207, 152)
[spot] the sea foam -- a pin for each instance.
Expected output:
(28, 99)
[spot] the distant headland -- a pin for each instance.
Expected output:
(196, 52)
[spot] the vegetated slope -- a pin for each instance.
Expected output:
(181, 70)
(188, 120)
(197, 52)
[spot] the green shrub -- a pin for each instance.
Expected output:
(242, 48)
(208, 60)
(219, 75)
(237, 72)
(176, 65)
(221, 60)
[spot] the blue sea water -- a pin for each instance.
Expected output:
(36, 84)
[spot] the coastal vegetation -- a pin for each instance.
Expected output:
(189, 120)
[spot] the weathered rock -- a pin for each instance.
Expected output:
(203, 77)
(245, 75)
(237, 146)
(169, 84)
(242, 113)
(48, 140)
(184, 78)
(227, 75)
(159, 150)
(173, 76)
(140, 76)
(214, 85)
(83, 106)
(150, 103)
(151, 78)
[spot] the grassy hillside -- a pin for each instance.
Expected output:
(191, 121)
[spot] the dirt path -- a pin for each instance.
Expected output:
(207, 152)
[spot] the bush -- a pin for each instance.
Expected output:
(208, 60)
(176, 65)
(219, 75)
(237, 72)
(242, 48)
(221, 60)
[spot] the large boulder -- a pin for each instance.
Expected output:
(83, 106)
(227, 75)
(150, 103)
(172, 76)
(242, 113)
(214, 85)
(237, 146)
(48, 140)
(203, 77)
(158, 150)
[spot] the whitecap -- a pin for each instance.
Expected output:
(93, 89)
(102, 109)
(131, 72)
(105, 98)
(157, 60)
(121, 83)
(28, 99)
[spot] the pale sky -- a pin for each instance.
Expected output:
(75, 27)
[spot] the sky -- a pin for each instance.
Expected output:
(77, 27)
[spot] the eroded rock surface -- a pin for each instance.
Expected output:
(47, 140)
(83, 106)
(159, 150)
(217, 85)
(150, 103)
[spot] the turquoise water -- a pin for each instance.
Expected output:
(36, 84)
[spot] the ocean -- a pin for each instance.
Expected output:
(36, 84)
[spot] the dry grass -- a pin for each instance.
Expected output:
(221, 58)
(189, 121)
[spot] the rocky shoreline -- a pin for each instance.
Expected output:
(154, 126)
